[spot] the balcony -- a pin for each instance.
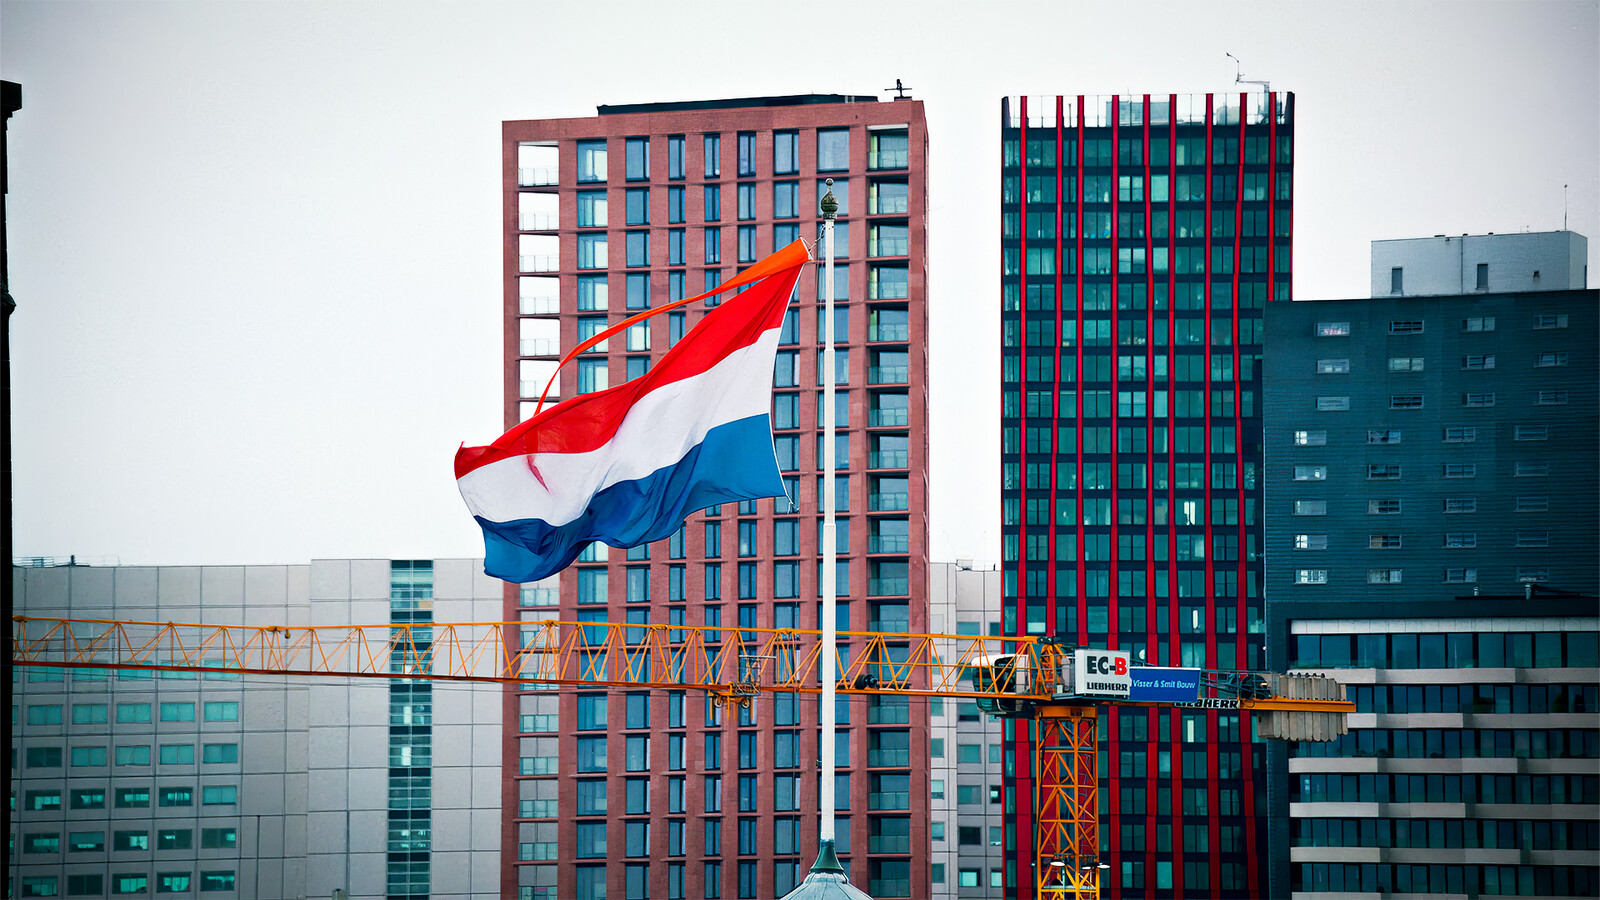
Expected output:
(888, 288)
(889, 759)
(542, 176)
(889, 502)
(888, 418)
(888, 587)
(888, 459)
(888, 246)
(889, 800)
(540, 262)
(894, 158)
(889, 543)
(886, 374)
(540, 347)
(540, 306)
(537, 221)
(889, 331)
(889, 887)
(889, 710)
(889, 843)
(880, 204)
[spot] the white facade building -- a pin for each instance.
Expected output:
(245, 786)
(1468, 263)
(966, 849)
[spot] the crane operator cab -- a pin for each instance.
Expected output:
(998, 676)
(1045, 672)
(1056, 670)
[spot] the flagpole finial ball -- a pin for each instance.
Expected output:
(829, 203)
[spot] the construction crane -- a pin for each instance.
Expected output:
(1058, 686)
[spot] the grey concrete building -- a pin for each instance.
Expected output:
(1431, 541)
(966, 850)
(1481, 263)
(232, 785)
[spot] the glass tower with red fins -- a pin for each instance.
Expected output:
(1142, 236)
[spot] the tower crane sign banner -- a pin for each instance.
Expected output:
(1101, 673)
(1155, 684)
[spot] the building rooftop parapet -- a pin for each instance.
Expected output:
(618, 109)
(1101, 110)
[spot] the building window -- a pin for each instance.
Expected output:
(1532, 469)
(1383, 542)
(1532, 433)
(747, 243)
(1405, 327)
(1333, 366)
(1547, 360)
(1397, 280)
(1460, 540)
(1333, 329)
(1383, 472)
(1329, 404)
(1310, 507)
(1310, 473)
(638, 161)
(1552, 398)
(1310, 438)
(592, 375)
(1478, 323)
(1542, 322)
(1311, 542)
(1405, 401)
(1383, 507)
(1460, 434)
(1532, 575)
(1384, 436)
(1311, 576)
(1478, 361)
(591, 209)
(1458, 505)
(638, 206)
(1483, 277)
(592, 251)
(1405, 364)
(1479, 399)
(1383, 576)
(1533, 503)
(747, 153)
(1460, 470)
(638, 248)
(1460, 576)
(786, 199)
(591, 160)
(713, 155)
(833, 149)
(1533, 539)
(785, 152)
(887, 150)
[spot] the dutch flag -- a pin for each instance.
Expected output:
(626, 465)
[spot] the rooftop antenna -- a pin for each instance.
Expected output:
(1238, 77)
(899, 89)
(1563, 207)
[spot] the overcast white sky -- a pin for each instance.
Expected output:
(256, 254)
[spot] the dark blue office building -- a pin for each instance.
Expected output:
(1430, 482)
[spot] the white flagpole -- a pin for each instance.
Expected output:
(830, 540)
